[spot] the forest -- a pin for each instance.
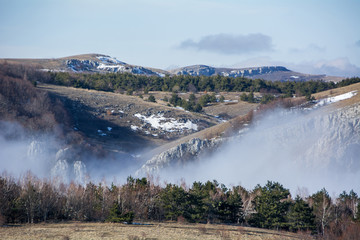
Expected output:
(271, 206)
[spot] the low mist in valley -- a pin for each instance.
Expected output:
(303, 150)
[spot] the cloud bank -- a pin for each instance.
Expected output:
(341, 67)
(230, 44)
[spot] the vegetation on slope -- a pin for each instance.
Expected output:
(22, 102)
(125, 81)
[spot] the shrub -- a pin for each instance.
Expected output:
(151, 98)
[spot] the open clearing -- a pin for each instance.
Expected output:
(77, 230)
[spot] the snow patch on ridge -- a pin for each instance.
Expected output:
(338, 98)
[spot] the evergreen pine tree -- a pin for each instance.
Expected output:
(300, 216)
(271, 206)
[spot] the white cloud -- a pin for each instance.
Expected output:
(337, 67)
(231, 44)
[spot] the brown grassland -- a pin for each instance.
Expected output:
(81, 230)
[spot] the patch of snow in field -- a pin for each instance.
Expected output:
(121, 111)
(114, 68)
(296, 77)
(338, 98)
(231, 101)
(180, 108)
(166, 124)
(101, 133)
(134, 128)
(109, 128)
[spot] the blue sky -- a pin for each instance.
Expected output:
(318, 36)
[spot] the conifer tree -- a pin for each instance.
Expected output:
(300, 216)
(271, 206)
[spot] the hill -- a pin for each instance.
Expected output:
(102, 63)
(270, 73)
(86, 63)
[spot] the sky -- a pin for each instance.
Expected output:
(309, 36)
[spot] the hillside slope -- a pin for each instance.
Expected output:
(87, 63)
(324, 133)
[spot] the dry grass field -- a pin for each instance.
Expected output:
(77, 230)
(339, 91)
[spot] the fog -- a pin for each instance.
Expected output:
(306, 150)
(301, 150)
(22, 152)
(43, 155)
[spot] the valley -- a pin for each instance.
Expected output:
(84, 131)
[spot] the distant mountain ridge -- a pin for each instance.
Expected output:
(100, 63)
(198, 70)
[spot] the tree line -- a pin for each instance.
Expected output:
(31, 200)
(126, 82)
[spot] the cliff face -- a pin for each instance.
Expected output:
(203, 70)
(270, 73)
(179, 155)
(338, 144)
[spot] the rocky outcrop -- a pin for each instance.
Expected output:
(196, 70)
(68, 167)
(35, 149)
(270, 73)
(179, 155)
(105, 64)
(81, 65)
(338, 145)
(203, 70)
(250, 72)
(324, 138)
